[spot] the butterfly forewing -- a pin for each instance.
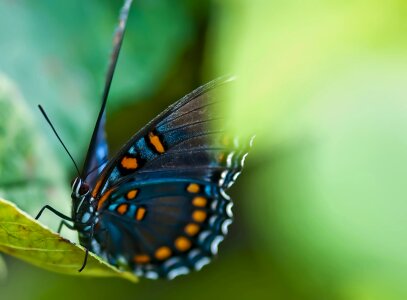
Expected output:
(183, 136)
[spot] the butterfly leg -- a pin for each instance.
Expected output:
(61, 215)
(62, 223)
(84, 261)
(87, 251)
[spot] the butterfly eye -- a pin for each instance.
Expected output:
(84, 189)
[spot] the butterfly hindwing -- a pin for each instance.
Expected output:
(163, 226)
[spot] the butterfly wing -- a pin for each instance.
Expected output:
(188, 135)
(163, 226)
(172, 175)
(98, 154)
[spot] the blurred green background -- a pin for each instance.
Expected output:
(321, 207)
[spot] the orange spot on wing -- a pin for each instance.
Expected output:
(193, 188)
(129, 163)
(97, 187)
(103, 199)
(131, 194)
(199, 201)
(199, 216)
(141, 259)
(140, 213)
(191, 229)
(162, 253)
(182, 244)
(156, 142)
(122, 208)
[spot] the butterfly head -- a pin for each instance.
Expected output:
(80, 200)
(79, 188)
(83, 212)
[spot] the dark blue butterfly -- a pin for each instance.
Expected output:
(159, 206)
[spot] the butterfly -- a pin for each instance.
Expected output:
(159, 206)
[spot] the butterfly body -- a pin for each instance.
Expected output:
(83, 210)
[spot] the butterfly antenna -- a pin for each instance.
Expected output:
(117, 43)
(55, 132)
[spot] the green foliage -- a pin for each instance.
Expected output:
(323, 84)
(3, 269)
(25, 238)
(69, 45)
(30, 174)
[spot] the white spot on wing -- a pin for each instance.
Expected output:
(194, 253)
(214, 205)
(215, 244)
(229, 209)
(229, 161)
(203, 236)
(224, 195)
(222, 177)
(212, 220)
(225, 226)
(151, 275)
(243, 159)
(236, 175)
(177, 272)
(172, 261)
(201, 263)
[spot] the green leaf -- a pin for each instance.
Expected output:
(23, 237)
